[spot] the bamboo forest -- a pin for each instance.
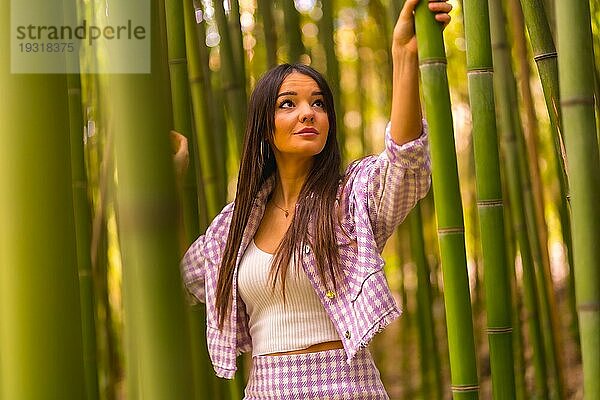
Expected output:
(497, 269)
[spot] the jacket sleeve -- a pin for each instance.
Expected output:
(193, 271)
(389, 185)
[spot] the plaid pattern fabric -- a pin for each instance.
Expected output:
(379, 192)
(315, 376)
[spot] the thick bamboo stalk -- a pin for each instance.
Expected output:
(182, 117)
(140, 108)
(545, 56)
(448, 206)
(577, 99)
(326, 35)
(265, 10)
(83, 227)
(531, 132)
(506, 98)
(233, 81)
(237, 40)
(516, 304)
(40, 331)
(292, 35)
(431, 374)
(490, 203)
(211, 170)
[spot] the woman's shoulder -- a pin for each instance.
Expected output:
(219, 227)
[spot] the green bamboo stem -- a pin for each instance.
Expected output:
(140, 107)
(40, 331)
(83, 227)
(292, 34)
(545, 56)
(265, 10)
(529, 281)
(541, 39)
(211, 170)
(508, 122)
(448, 206)
(531, 123)
(237, 40)
(516, 303)
(326, 35)
(182, 118)
(431, 374)
(406, 331)
(213, 117)
(490, 203)
(233, 81)
(577, 99)
(531, 131)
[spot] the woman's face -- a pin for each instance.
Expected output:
(301, 122)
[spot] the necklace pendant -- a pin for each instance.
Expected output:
(286, 212)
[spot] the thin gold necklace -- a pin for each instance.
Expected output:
(286, 212)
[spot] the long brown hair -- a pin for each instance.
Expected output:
(316, 202)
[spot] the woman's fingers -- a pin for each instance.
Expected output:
(409, 8)
(440, 6)
(181, 157)
(441, 9)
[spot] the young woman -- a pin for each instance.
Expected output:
(291, 270)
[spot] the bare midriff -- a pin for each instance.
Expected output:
(335, 344)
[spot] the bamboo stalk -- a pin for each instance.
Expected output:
(531, 131)
(265, 10)
(431, 374)
(545, 56)
(211, 170)
(140, 107)
(41, 350)
(448, 206)
(293, 35)
(182, 118)
(326, 35)
(577, 100)
(237, 41)
(516, 304)
(83, 228)
(233, 82)
(490, 203)
(506, 99)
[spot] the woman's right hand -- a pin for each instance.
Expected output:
(181, 155)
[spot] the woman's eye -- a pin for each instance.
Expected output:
(286, 104)
(319, 103)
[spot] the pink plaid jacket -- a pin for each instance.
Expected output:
(379, 193)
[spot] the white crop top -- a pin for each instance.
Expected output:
(275, 327)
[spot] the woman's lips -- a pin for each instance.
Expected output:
(307, 132)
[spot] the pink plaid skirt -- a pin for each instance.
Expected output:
(320, 375)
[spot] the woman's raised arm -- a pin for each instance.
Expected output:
(406, 108)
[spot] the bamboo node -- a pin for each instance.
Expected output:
(464, 388)
(451, 230)
(480, 70)
(490, 203)
(578, 100)
(180, 60)
(433, 61)
(545, 56)
(589, 307)
(499, 330)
